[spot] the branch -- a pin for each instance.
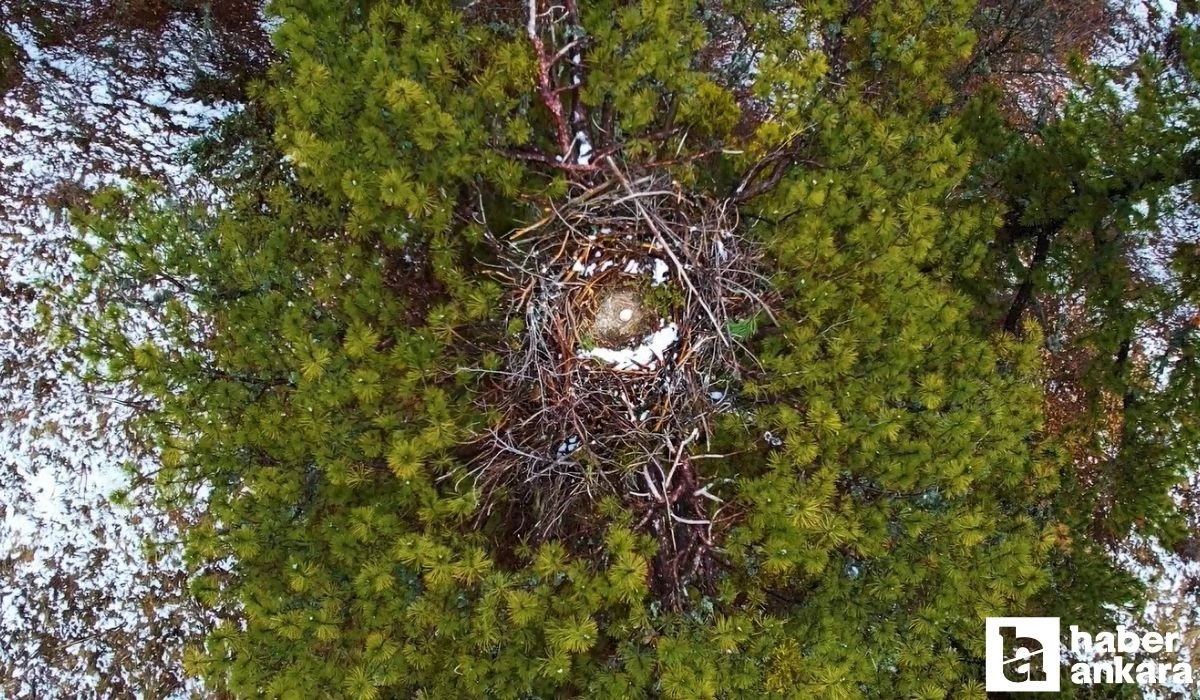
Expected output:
(1025, 291)
(779, 161)
(546, 85)
(551, 160)
(717, 327)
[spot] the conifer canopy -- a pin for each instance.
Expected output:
(868, 476)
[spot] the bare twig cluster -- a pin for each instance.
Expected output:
(576, 422)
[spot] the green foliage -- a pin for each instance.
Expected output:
(1090, 198)
(314, 332)
(743, 328)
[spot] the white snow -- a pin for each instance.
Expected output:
(583, 270)
(568, 446)
(643, 356)
(591, 268)
(63, 444)
(659, 275)
(585, 148)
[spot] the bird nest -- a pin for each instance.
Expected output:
(629, 305)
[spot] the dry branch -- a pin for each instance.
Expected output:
(572, 427)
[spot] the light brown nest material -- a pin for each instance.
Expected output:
(621, 316)
(574, 427)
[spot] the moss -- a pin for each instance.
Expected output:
(664, 299)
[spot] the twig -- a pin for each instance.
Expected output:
(546, 85)
(678, 265)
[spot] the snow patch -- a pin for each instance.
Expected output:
(643, 356)
(568, 446)
(585, 148)
(658, 276)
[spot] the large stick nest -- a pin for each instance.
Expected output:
(631, 299)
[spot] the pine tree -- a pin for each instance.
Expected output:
(1095, 234)
(885, 468)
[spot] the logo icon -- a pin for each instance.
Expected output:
(1023, 654)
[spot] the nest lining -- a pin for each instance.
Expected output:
(620, 317)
